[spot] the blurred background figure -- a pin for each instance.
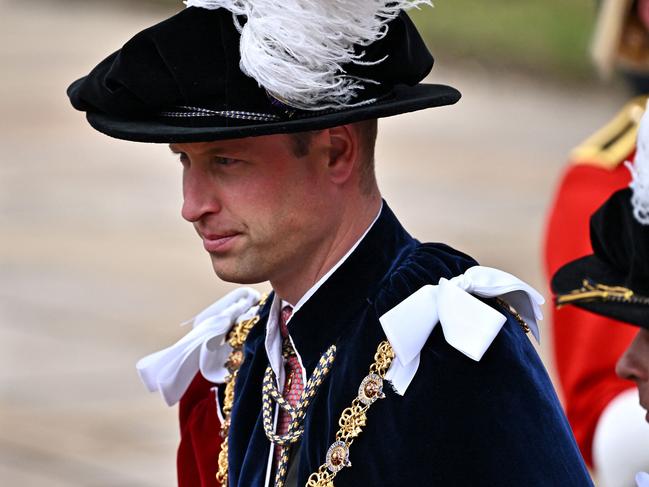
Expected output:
(603, 409)
(613, 282)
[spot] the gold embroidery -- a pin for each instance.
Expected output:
(591, 291)
(611, 145)
(236, 338)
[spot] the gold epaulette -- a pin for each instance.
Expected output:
(610, 145)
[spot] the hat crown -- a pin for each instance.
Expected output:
(619, 240)
(296, 49)
(193, 59)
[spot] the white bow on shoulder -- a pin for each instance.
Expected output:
(468, 324)
(171, 370)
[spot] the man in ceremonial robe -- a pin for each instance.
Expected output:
(377, 360)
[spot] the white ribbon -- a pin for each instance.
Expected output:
(171, 370)
(468, 324)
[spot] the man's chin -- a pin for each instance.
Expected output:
(235, 273)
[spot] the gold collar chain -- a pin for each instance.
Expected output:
(354, 418)
(351, 422)
(236, 338)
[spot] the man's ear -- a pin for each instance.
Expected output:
(343, 153)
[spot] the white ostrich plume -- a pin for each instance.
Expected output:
(296, 49)
(640, 173)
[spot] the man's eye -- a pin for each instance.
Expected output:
(184, 160)
(225, 161)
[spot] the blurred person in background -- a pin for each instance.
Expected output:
(276, 144)
(613, 282)
(602, 409)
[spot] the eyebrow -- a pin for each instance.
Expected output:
(213, 150)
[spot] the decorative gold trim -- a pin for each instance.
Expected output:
(352, 421)
(235, 338)
(609, 146)
(517, 316)
(591, 291)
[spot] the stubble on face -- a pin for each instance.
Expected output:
(268, 249)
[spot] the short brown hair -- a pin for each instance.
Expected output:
(367, 131)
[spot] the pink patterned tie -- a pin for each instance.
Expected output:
(294, 382)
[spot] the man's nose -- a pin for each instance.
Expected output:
(629, 366)
(199, 196)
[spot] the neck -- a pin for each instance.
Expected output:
(354, 219)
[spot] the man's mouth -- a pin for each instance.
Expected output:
(218, 242)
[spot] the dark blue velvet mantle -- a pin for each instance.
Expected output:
(496, 422)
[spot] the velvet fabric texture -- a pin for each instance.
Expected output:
(167, 83)
(620, 258)
(461, 422)
(200, 439)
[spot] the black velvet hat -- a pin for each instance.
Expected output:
(182, 81)
(614, 281)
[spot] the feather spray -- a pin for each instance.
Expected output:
(640, 173)
(296, 49)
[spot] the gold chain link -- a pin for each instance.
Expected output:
(519, 319)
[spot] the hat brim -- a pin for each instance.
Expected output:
(157, 130)
(571, 276)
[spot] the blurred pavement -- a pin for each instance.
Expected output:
(97, 268)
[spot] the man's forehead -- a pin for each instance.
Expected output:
(229, 145)
(198, 147)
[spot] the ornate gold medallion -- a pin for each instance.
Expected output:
(371, 389)
(338, 456)
(234, 360)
